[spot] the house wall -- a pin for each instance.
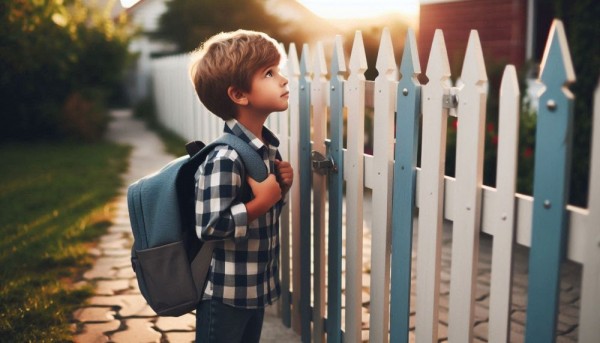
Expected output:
(501, 25)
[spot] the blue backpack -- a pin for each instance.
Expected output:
(170, 262)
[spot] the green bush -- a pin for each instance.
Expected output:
(50, 51)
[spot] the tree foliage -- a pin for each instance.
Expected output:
(189, 23)
(58, 59)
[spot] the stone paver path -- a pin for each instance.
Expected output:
(117, 312)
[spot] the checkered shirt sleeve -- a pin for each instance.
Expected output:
(217, 211)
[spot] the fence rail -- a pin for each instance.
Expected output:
(323, 235)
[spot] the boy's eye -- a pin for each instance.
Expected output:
(269, 74)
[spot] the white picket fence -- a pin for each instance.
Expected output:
(471, 207)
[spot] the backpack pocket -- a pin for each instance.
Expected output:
(167, 278)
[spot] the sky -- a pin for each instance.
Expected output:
(346, 9)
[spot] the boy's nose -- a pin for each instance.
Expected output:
(284, 80)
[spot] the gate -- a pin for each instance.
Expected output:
(422, 259)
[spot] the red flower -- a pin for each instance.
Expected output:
(491, 128)
(528, 152)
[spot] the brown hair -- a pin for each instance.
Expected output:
(230, 59)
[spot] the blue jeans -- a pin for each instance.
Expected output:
(217, 322)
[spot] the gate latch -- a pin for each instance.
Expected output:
(321, 164)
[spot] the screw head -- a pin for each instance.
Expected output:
(405, 91)
(551, 104)
(332, 88)
(547, 204)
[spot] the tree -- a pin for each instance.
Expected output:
(188, 23)
(57, 60)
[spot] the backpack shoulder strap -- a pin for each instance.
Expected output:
(253, 163)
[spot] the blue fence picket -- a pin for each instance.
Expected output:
(305, 190)
(336, 182)
(405, 183)
(550, 188)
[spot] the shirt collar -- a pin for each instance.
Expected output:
(234, 127)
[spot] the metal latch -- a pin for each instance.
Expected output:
(449, 101)
(321, 164)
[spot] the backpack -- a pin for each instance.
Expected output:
(170, 262)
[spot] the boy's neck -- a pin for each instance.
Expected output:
(254, 123)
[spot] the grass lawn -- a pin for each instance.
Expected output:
(53, 204)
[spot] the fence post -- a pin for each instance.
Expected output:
(336, 195)
(550, 187)
(405, 183)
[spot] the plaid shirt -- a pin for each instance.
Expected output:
(244, 269)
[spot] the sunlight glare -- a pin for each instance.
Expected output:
(346, 9)
(128, 3)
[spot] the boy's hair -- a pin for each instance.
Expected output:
(230, 59)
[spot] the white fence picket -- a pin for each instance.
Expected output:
(589, 330)
(469, 179)
(383, 155)
(355, 95)
(293, 75)
(431, 191)
(503, 221)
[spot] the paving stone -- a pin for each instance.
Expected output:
(481, 314)
(120, 243)
(187, 322)
(95, 332)
(94, 314)
(109, 238)
(184, 337)
(137, 330)
(110, 287)
(111, 301)
(117, 252)
(94, 252)
(125, 273)
(480, 331)
(134, 306)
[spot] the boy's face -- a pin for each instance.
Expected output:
(269, 91)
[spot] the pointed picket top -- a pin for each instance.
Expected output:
(319, 64)
(509, 86)
(293, 63)
(358, 57)
(338, 62)
(557, 67)
(410, 67)
(386, 63)
(283, 63)
(305, 68)
(473, 71)
(438, 67)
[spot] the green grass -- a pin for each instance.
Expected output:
(53, 204)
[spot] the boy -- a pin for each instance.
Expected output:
(237, 77)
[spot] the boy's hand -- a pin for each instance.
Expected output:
(286, 176)
(266, 194)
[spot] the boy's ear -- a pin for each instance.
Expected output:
(237, 96)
